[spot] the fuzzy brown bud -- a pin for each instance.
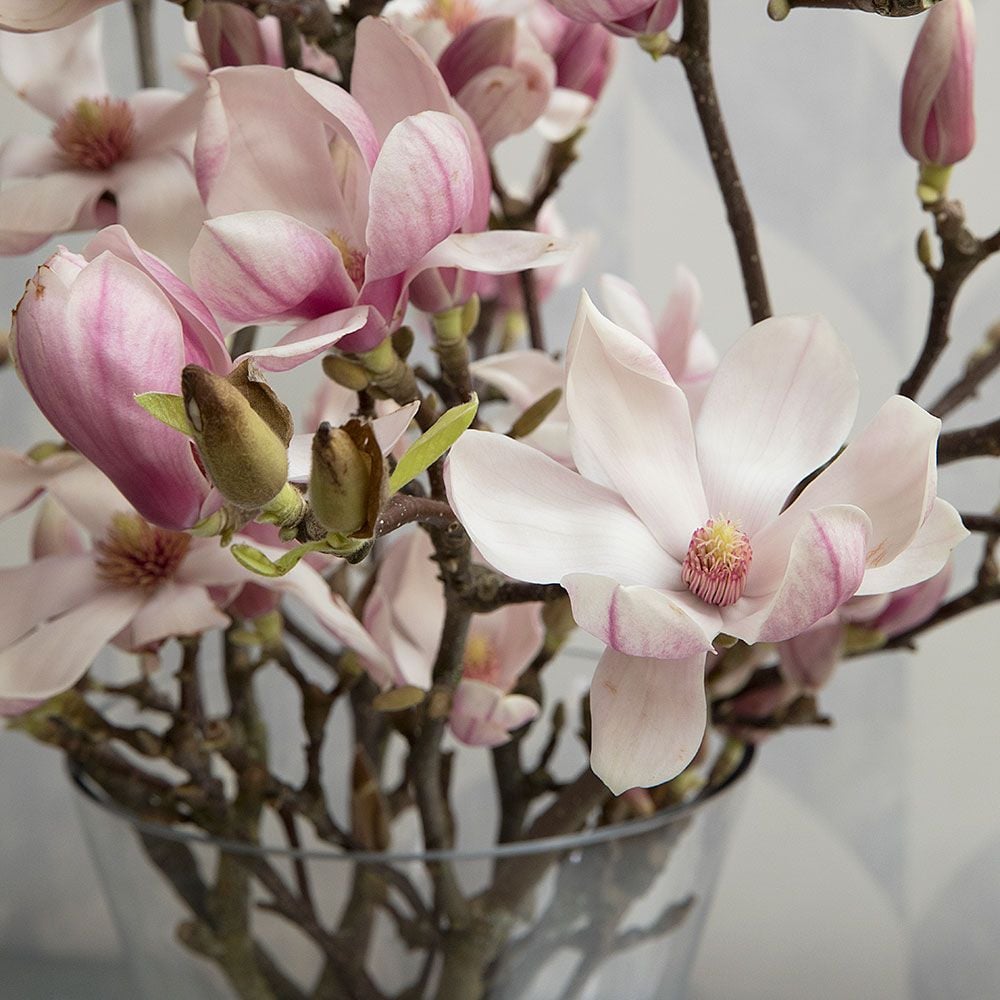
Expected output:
(348, 485)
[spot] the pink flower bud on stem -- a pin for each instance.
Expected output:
(937, 120)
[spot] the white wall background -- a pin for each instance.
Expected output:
(868, 862)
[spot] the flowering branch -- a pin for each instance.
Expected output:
(693, 51)
(980, 366)
(145, 43)
(962, 253)
(778, 10)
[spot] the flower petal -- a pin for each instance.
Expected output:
(421, 191)
(926, 554)
(630, 426)
(782, 401)
(496, 252)
(642, 621)
(260, 266)
(648, 718)
(483, 716)
(826, 564)
(516, 634)
(173, 609)
(44, 15)
(393, 77)
(33, 210)
(304, 342)
(84, 350)
(535, 520)
(626, 308)
(57, 654)
(808, 660)
(54, 70)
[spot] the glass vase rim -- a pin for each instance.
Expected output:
(87, 788)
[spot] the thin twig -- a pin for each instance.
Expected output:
(529, 293)
(980, 366)
(778, 9)
(693, 51)
(145, 42)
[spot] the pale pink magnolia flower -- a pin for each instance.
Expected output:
(568, 72)
(628, 18)
(405, 614)
(107, 159)
(673, 532)
(94, 330)
(937, 118)
(382, 181)
(676, 337)
(44, 15)
(136, 586)
(501, 75)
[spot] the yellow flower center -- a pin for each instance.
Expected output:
(481, 661)
(96, 133)
(456, 14)
(135, 553)
(717, 562)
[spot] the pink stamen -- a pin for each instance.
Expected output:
(97, 133)
(717, 562)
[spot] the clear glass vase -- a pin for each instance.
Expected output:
(602, 915)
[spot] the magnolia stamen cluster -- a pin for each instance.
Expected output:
(96, 133)
(135, 553)
(717, 562)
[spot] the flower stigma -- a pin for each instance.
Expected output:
(135, 553)
(717, 562)
(96, 132)
(456, 14)
(481, 662)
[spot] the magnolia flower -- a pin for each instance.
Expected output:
(676, 337)
(628, 18)
(107, 159)
(500, 75)
(381, 180)
(405, 614)
(94, 330)
(938, 121)
(44, 15)
(136, 586)
(671, 532)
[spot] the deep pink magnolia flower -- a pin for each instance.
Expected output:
(405, 614)
(584, 54)
(44, 15)
(106, 160)
(386, 182)
(673, 532)
(94, 330)
(938, 122)
(628, 18)
(135, 585)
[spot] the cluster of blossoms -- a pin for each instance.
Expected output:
(671, 496)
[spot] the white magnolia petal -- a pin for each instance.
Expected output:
(826, 564)
(522, 376)
(642, 621)
(496, 252)
(483, 716)
(889, 471)
(630, 426)
(625, 306)
(926, 554)
(535, 520)
(57, 654)
(782, 401)
(648, 718)
(44, 589)
(516, 634)
(174, 609)
(390, 427)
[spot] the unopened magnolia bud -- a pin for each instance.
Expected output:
(344, 372)
(937, 121)
(243, 456)
(347, 482)
(403, 341)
